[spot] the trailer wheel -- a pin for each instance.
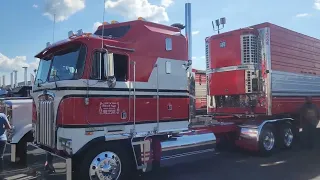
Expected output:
(106, 162)
(286, 136)
(267, 140)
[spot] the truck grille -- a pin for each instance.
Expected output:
(45, 127)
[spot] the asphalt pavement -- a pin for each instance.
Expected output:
(294, 164)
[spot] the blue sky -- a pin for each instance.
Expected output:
(26, 26)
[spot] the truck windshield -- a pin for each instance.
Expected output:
(65, 64)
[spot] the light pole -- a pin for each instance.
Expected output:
(15, 78)
(221, 21)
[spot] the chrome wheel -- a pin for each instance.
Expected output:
(105, 166)
(288, 137)
(268, 141)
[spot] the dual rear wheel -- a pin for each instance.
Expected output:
(270, 138)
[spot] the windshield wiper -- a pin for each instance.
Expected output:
(39, 82)
(54, 78)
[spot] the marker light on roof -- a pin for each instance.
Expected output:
(105, 23)
(141, 19)
(70, 34)
(87, 34)
(114, 22)
(79, 32)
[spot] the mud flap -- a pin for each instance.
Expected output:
(143, 154)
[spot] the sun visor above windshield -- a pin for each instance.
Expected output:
(162, 31)
(52, 48)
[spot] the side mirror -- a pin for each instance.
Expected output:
(109, 69)
(108, 65)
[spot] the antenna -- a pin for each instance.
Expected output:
(54, 23)
(104, 9)
(219, 22)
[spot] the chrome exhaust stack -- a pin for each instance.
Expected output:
(191, 143)
(191, 75)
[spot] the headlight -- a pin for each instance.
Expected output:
(249, 133)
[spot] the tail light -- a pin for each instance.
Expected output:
(34, 112)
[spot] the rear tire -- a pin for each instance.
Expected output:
(267, 140)
(286, 136)
(112, 161)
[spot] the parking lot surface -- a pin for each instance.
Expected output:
(295, 164)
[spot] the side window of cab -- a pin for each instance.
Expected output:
(121, 65)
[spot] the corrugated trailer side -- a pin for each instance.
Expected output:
(295, 65)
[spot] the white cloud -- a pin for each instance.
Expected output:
(35, 6)
(132, 9)
(303, 15)
(317, 4)
(203, 57)
(194, 58)
(166, 3)
(195, 32)
(96, 25)
(9, 64)
(62, 9)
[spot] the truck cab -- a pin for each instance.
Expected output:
(117, 76)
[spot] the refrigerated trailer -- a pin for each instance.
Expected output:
(113, 105)
(258, 78)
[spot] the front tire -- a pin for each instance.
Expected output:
(267, 140)
(107, 162)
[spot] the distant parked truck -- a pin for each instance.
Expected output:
(19, 113)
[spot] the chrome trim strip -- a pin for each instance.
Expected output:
(232, 68)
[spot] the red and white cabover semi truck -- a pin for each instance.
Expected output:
(119, 100)
(122, 99)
